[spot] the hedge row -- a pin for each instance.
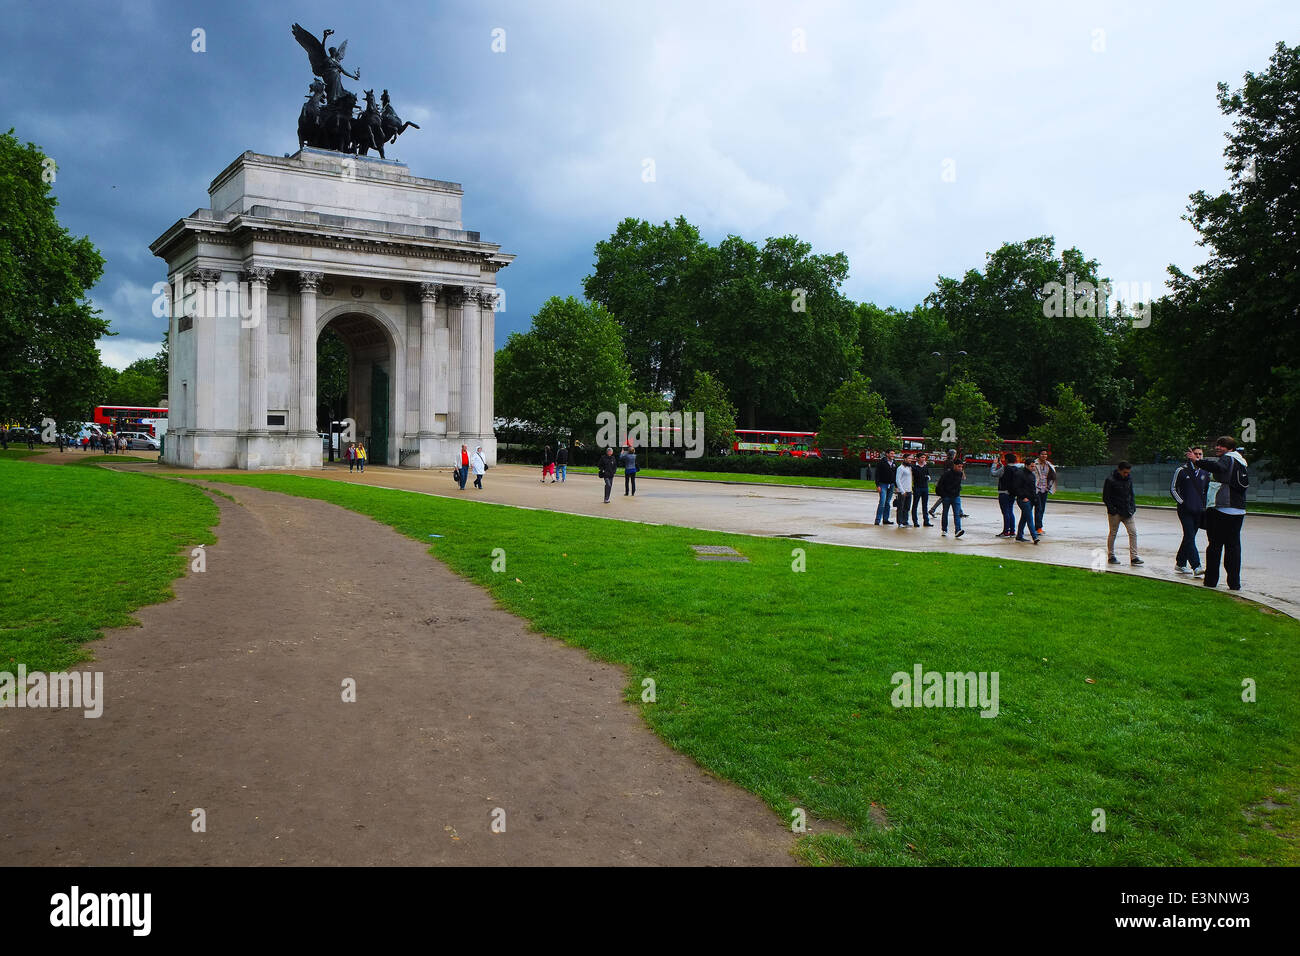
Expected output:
(744, 464)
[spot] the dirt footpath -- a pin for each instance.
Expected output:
(229, 699)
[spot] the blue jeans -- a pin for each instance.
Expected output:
(561, 469)
(882, 509)
(464, 473)
(955, 504)
(1026, 518)
(1008, 506)
(1187, 552)
(1040, 508)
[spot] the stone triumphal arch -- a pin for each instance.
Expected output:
(289, 246)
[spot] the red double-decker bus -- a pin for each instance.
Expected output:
(130, 418)
(804, 445)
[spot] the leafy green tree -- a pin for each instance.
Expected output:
(1162, 428)
(650, 277)
(1028, 322)
(777, 332)
(331, 379)
(1068, 427)
(709, 397)
(855, 418)
(140, 383)
(49, 364)
(1235, 319)
(566, 369)
(967, 416)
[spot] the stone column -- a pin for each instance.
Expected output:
(308, 282)
(470, 371)
(428, 365)
(203, 326)
(487, 360)
(257, 278)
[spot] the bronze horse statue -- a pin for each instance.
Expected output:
(368, 128)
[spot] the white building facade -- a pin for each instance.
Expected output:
(289, 247)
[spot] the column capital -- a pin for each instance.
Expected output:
(469, 295)
(487, 297)
(205, 276)
(259, 274)
(309, 281)
(429, 291)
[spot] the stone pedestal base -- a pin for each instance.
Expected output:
(192, 449)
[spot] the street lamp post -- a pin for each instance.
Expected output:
(948, 357)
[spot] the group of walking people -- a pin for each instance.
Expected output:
(904, 487)
(355, 455)
(1211, 496)
(475, 464)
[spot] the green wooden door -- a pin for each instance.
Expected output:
(377, 453)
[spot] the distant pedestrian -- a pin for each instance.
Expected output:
(1225, 512)
(1021, 485)
(464, 466)
(362, 457)
(948, 490)
(607, 469)
(562, 461)
(903, 489)
(1044, 484)
(478, 465)
(921, 489)
(61, 443)
(1121, 507)
(1189, 488)
(548, 464)
(350, 455)
(628, 461)
(1001, 470)
(886, 473)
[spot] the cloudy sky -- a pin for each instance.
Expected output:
(915, 137)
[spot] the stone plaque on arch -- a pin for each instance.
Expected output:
(289, 246)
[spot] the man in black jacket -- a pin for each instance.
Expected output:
(885, 474)
(1225, 511)
(921, 489)
(606, 469)
(1021, 485)
(562, 460)
(1121, 506)
(1188, 488)
(948, 490)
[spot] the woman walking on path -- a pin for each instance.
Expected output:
(628, 461)
(361, 457)
(478, 466)
(548, 464)
(350, 453)
(606, 470)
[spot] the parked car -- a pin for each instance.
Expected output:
(143, 442)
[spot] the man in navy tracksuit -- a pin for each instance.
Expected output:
(1188, 488)
(1225, 510)
(921, 489)
(885, 474)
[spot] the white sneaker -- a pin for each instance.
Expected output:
(1181, 569)
(1198, 572)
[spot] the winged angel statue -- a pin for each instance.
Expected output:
(327, 120)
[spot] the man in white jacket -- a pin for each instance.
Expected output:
(903, 482)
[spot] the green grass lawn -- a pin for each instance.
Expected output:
(80, 548)
(854, 484)
(1116, 692)
(19, 452)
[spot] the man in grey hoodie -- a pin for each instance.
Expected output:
(1225, 510)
